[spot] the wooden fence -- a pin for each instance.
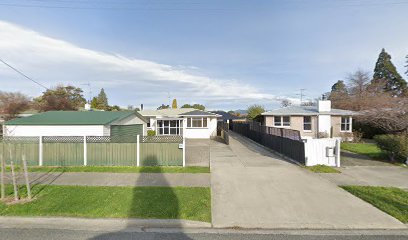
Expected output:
(289, 145)
(95, 151)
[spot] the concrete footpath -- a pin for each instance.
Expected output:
(253, 188)
(385, 176)
(118, 179)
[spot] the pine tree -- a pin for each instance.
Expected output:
(386, 72)
(102, 100)
(174, 104)
(94, 103)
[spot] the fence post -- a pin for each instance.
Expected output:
(184, 151)
(85, 152)
(338, 142)
(40, 151)
(138, 150)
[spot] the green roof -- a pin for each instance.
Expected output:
(71, 118)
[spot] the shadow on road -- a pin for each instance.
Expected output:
(142, 208)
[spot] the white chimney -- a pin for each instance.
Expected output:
(324, 106)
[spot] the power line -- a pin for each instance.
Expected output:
(22, 74)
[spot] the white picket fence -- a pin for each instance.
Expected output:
(323, 151)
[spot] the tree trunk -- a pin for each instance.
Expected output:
(27, 181)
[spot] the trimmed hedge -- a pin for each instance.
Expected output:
(396, 146)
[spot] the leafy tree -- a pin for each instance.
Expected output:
(339, 87)
(94, 103)
(186, 106)
(102, 100)
(195, 106)
(61, 98)
(163, 107)
(254, 112)
(13, 103)
(174, 104)
(386, 71)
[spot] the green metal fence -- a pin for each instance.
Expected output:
(100, 151)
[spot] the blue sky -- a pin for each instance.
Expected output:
(224, 54)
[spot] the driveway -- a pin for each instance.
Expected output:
(386, 176)
(253, 188)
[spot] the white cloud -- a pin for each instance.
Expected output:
(127, 80)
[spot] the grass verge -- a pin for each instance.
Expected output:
(393, 201)
(323, 169)
(368, 149)
(191, 203)
(121, 169)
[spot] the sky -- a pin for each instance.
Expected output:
(223, 54)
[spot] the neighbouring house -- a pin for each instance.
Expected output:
(312, 121)
(77, 123)
(188, 122)
(225, 116)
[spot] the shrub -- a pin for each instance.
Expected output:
(396, 146)
(151, 133)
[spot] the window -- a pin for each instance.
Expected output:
(197, 122)
(169, 127)
(345, 124)
(280, 121)
(307, 123)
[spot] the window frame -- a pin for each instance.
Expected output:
(282, 122)
(309, 123)
(164, 127)
(203, 121)
(346, 124)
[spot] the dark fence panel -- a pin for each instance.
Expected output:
(285, 142)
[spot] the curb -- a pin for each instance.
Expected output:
(98, 224)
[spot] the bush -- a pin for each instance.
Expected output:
(396, 146)
(367, 130)
(151, 133)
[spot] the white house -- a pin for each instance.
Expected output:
(77, 123)
(190, 122)
(312, 121)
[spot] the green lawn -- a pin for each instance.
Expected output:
(192, 203)
(393, 201)
(323, 169)
(121, 169)
(368, 149)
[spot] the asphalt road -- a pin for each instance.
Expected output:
(47, 234)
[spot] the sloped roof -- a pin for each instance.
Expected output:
(71, 118)
(227, 116)
(199, 113)
(306, 110)
(176, 112)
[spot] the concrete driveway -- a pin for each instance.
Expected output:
(253, 188)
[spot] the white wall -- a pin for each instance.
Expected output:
(211, 130)
(316, 152)
(55, 130)
(324, 123)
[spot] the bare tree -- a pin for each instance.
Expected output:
(13, 103)
(357, 82)
(286, 102)
(389, 114)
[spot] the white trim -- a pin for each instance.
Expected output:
(85, 152)
(40, 151)
(138, 150)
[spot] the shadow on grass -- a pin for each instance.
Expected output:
(142, 206)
